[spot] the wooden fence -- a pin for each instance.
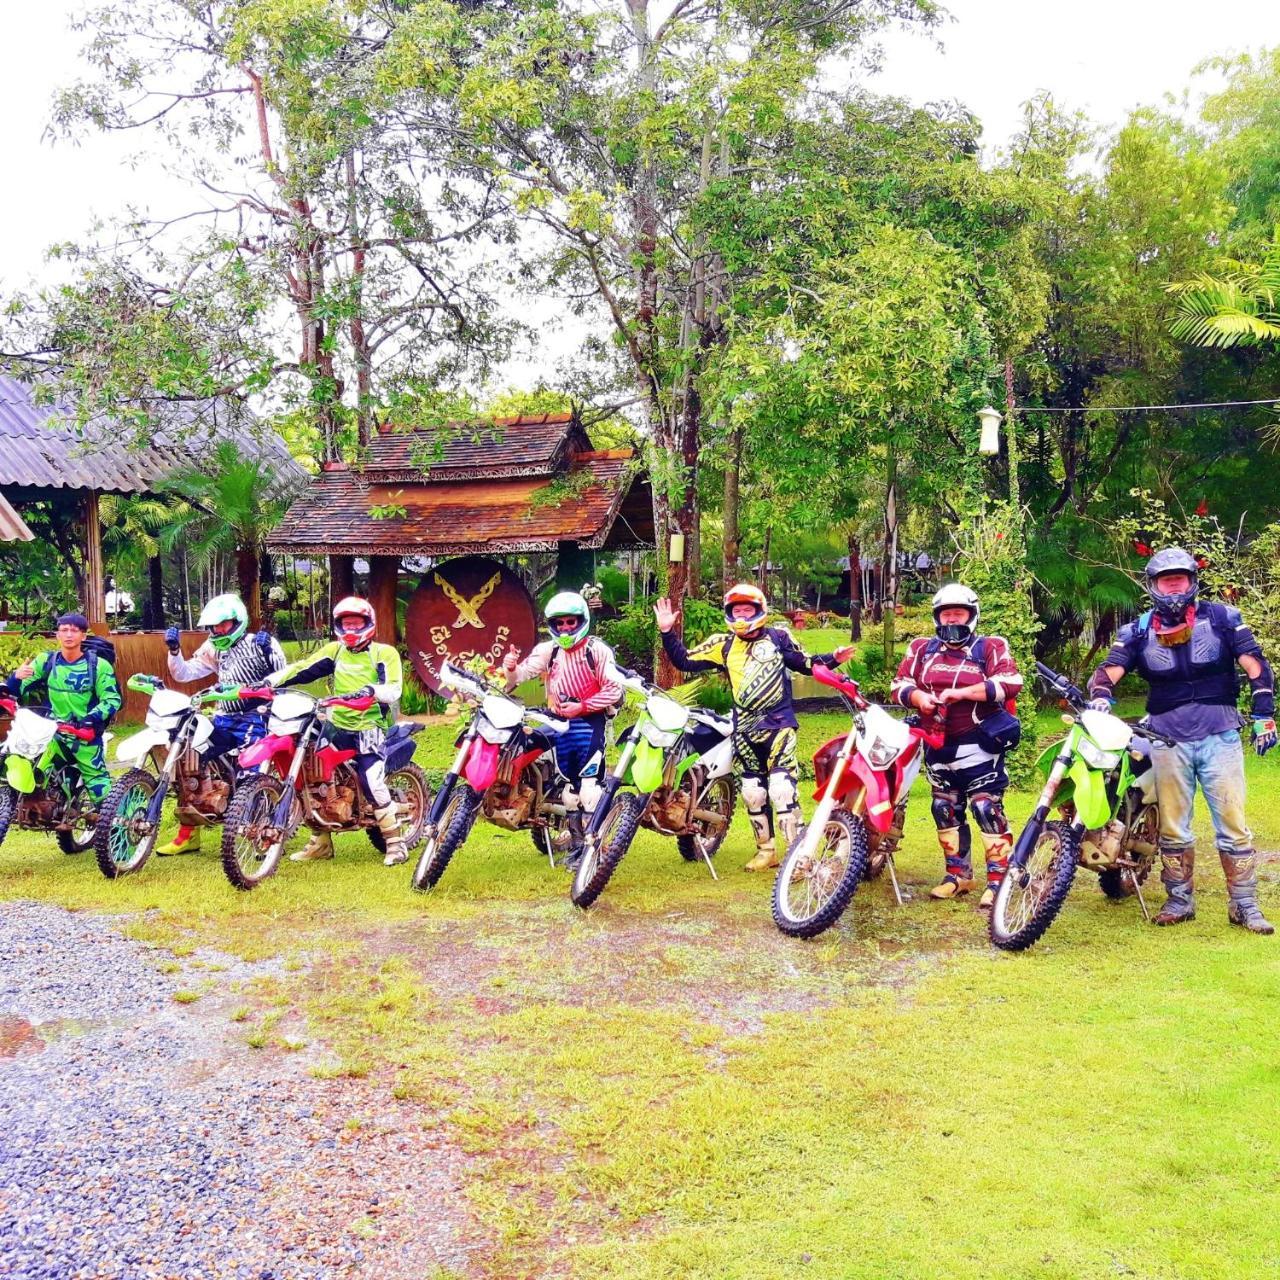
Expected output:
(144, 651)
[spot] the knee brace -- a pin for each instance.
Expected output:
(589, 793)
(782, 791)
(755, 798)
(988, 813)
(948, 810)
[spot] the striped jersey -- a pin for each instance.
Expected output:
(575, 678)
(933, 666)
(245, 663)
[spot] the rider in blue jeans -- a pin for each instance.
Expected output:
(1188, 654)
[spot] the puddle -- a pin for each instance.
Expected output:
(19, 1035)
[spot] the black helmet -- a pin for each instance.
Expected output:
(1171, 608)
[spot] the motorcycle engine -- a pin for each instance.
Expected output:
(509, 807)
(669, 811)
(1101, 848)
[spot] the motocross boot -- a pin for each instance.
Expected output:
(1241, 870)
(577, 830)
(317, 849)
(766, 856)
(998, 846)
(959, 874)
(392, 836)
(186, 841)
(755, 797)
(1177, 874)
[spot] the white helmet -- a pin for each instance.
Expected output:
(955, 595)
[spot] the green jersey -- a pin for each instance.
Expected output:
(83, 689)
(377, 668)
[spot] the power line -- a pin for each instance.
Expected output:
(1133, 408)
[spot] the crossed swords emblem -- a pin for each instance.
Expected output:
(468, 610)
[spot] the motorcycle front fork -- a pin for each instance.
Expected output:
(1030, 835)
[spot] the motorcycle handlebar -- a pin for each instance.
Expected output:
(8, 705)
(1061, 685)
(81, 731)
(362, 703)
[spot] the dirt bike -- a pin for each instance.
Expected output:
(41, 790)
(313, 782)
(863, 779)
(500, 769)
(172, 741)
(679, 759)
(1101, 778)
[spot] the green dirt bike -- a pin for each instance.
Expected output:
(679, 759)
(1101, 779)
(41, 788)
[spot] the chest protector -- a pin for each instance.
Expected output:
(1201, 670)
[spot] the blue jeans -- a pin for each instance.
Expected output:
(1217, 764)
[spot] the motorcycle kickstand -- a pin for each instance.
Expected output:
(546, 844)
(893, 879)
(706, 857)
(1137, 889)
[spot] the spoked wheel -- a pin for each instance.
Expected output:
(706, 840)
(612, 841)
(1028, 900)
(124, 838)
(82, 826)
(411, 794)
(818, 876)
(8, 807)
(455, 826)
(252, 844)
(1141, 840)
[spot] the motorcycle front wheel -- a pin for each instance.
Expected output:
(612, 841)
(124, 839)
(252, 844)
(1029, 899)
(814, 887)
(8, 807)
(455, 826)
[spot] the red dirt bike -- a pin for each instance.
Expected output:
(863, 780)
(313, 783)
(503, 769)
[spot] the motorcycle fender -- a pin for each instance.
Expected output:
(20, 774)
(265, 749)
(1048, 756)
(1089, 792)
(683, 767)
(879, 814)
(202, 734)
(647, 767)
(136, 749)
(399, 753)
(481, 765)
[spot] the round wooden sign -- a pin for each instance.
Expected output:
(467, 607)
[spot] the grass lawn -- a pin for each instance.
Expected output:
(668, 1087)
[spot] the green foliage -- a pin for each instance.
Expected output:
(993, 562)
(17, 646)
(633, 635)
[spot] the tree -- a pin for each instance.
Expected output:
(1240, 308)
(232, 507)
(607, 129)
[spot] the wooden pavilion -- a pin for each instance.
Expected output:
(511, 485)
(44, 453)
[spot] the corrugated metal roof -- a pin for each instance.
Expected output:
(531, 445)
(12, 526)
(41, 446)
(452, 517)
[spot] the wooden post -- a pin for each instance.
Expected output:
(383, 571)
(95, 591)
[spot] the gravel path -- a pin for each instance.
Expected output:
(140, 1138)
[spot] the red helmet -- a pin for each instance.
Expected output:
(354, 637)
(745, 593)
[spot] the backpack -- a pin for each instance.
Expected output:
(96, 648)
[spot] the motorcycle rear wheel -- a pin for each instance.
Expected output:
(1028, 903)
(410, 791)
(8, 807)
(123, 839)
(614, 838)
(812, 891)
(455, 826)
(720, 797)
(252, 845)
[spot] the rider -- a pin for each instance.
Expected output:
(236, 658)
(360, 667)
(970, 681)
(82, 691)
(758, 661)
(1187, 653)
(574, 666)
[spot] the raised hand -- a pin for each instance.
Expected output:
(665, 614)
(171, 639)
(511, 660)
(844, 653)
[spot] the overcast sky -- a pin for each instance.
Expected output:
(1103, 56)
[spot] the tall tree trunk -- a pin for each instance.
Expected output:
(247, 580)
(855, 588)
(762, 576)
(732, 498)
(155, 593)
(360, 351)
